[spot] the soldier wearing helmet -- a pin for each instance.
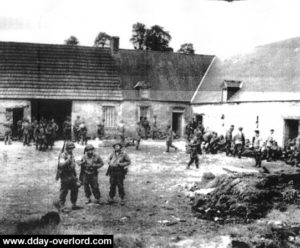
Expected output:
(90, 163)
(68, 177)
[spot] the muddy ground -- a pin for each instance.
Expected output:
(157, 211)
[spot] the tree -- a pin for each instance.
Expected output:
(72, 41)
(155, 38)
(187, 48)
(102, 40)
(139, 35)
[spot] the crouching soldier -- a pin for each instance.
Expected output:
(67, 175)
(193, 146)
(257, 143)
(118, 163)
(90, 163)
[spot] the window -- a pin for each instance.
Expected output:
(142, 89)
(144, 112)
(109, 115)
(145, 93)
(230, 88)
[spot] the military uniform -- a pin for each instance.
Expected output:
(138, 136)
(189, 131)
(89, 173)
(19, 129)
(194, 144)
(239, 143)
(67, 126)
(100, 130)
(40, 137)
(169, 140)
(257, 148)
(228, 138)
(76, 129)
(199, 136)
(7, 131)
(83, 133)
(270, 151)
(26, 132)
(67, 175)
(50, 135)
(118, 163)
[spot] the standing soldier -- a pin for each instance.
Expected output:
(83, 133)
(229, 140)
(40, 137)
(76, 129)
(239, 143)
(189, 131)
(26, 132)
(154, 129)
(55, 129)
(270, 141)
(90, 163)
(138, 135)
(50, 135)
(19, 129)
(118, 163)
(121, 132)
(194, 144)
(169, 141)
(67, 126)
(257, 143)
(147, 127)
(100, 130)
(67, 175)
(199, 136)
(7, 130)
(33, 128)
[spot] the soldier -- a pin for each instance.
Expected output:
(121, 132)
(169, 141)
(229, 140)
(206, 141)
(199, 136)
(194, 144)
(40, 137)
(118, 163)
(76, 129)
(67, 126)
(146, 125)
(239, 143)
(138, 135)
(55, 129)
(154, 129)
(100, 130)
(19, 129)
(7, 130)
(26, 132)
(257, 144)
(83, 133)
(68, 177)
(50, 135)
(270, 141)
(90, 163)
(189, 131)
(33, 127)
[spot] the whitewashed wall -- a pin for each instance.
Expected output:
(271, 116)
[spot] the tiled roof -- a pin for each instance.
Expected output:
(171, 76)
(269, 73)
(57, 72)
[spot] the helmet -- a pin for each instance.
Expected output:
(89, 147)
(70, 145)
(117, 143)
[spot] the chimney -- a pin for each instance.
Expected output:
(114, 44)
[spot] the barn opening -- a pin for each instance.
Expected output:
(291, 129)
(48, 109)
(177, 121)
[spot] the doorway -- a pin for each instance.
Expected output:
(48, 109)
(177, 125)
(291, 129)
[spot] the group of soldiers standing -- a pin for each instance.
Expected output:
(90, 163)
(42, 133)
(199, 139)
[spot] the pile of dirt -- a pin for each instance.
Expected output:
(244, 197)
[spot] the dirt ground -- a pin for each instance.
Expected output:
(157, 211)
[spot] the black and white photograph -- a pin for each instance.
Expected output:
(160, 124)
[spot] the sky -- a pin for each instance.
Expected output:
(213, 26)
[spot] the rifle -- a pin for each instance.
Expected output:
(58, 171)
